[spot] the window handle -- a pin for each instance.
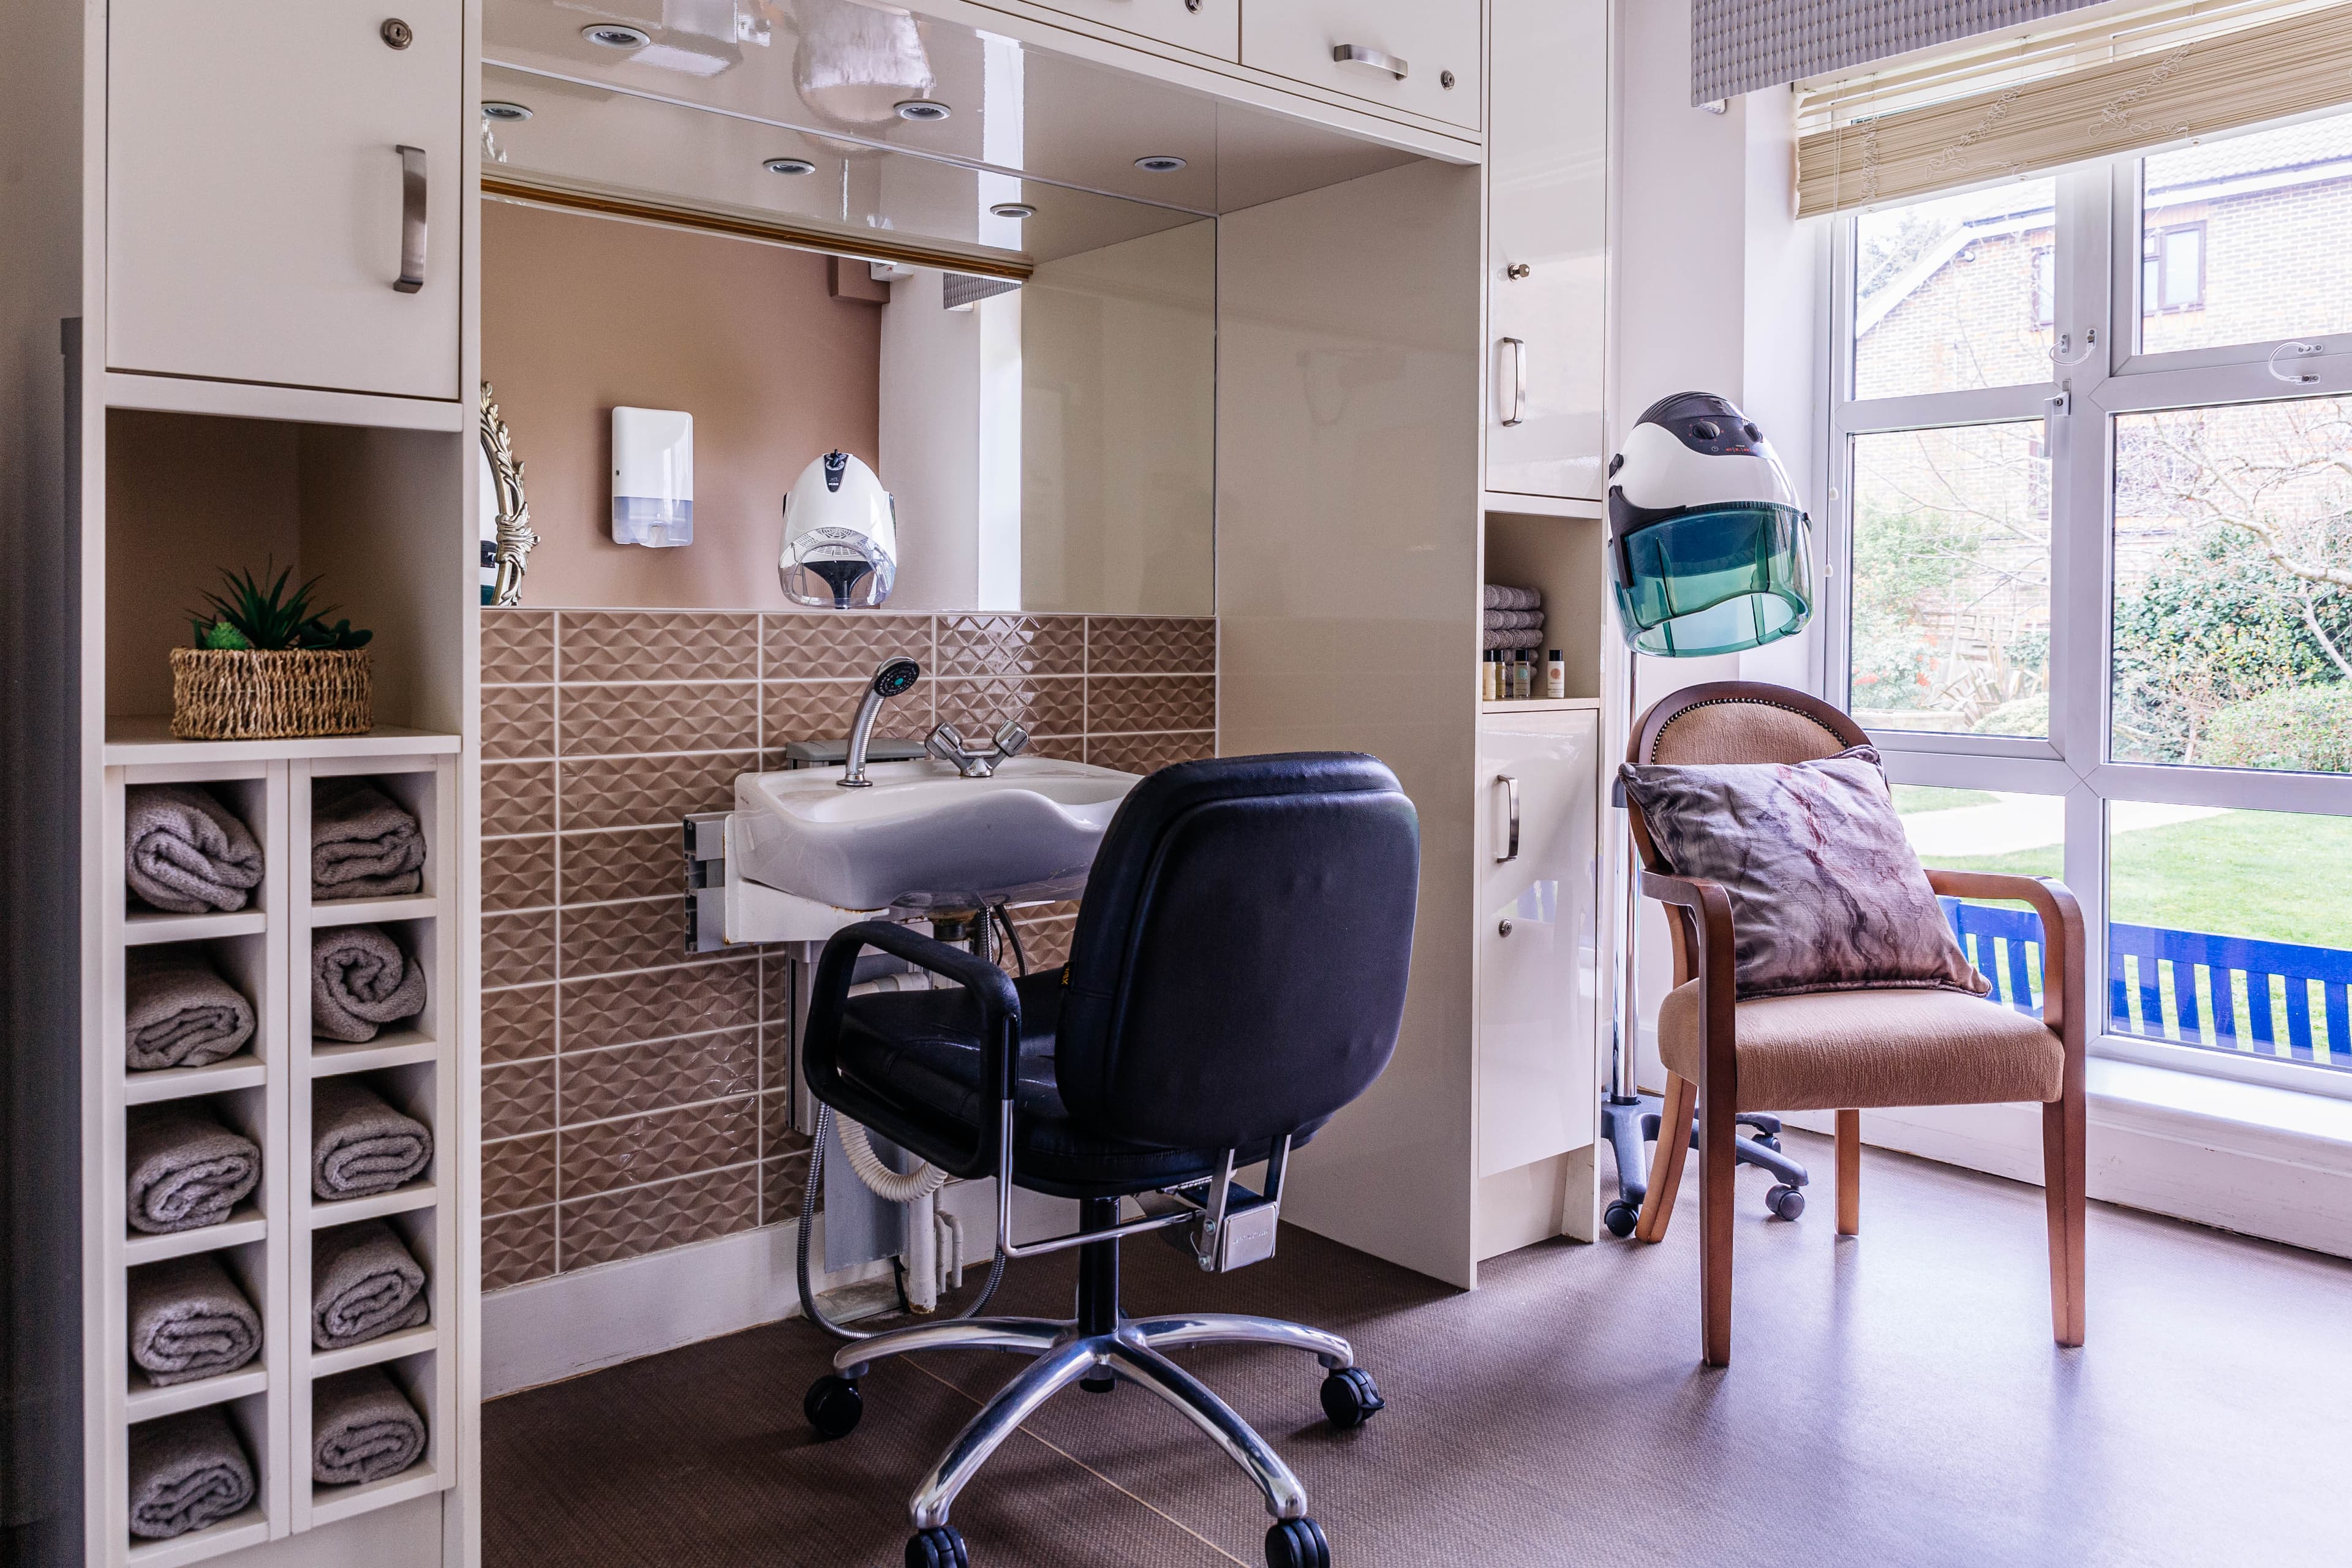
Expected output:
(412, 219)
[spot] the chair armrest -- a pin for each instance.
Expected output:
(989, 986)
(1710, 911)
(2063, 946)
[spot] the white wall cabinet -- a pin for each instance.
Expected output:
(1548, 230)
(1419, 56)
(1538, 978)
(1205, 26)
(259, 205)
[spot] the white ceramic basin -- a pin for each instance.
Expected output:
(923, 837)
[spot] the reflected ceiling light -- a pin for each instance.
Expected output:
(1012, 209)
(924, 108)
(1160, 164)
(789, 166)
(498, 109)
(615, 35)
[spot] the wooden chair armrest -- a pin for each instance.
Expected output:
(2063, 947)
(1710, 909)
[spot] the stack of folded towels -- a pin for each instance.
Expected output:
(359, 1145)
(363, 1286)
(186, 1170)
(186, 852)
(363, 843)
(177, 1013)
(189, 1320)
(360, 981)
(187, 1471)
(1514, 617)
(363, 1428)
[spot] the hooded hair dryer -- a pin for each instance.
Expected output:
(1708, 550)
(841, 536)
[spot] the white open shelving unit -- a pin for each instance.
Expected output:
(264, 1092)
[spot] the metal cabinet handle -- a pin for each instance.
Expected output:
(1358, 55)
(1511, 791)
(1519, 347)
(412, 219)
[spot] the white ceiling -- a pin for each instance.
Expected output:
(816, 79)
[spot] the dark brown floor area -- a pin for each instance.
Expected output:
(1894, 1399)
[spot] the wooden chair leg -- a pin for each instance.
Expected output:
(2064, 1177)
(1718, 1187)
(1680, 1100)
(1849, 1173)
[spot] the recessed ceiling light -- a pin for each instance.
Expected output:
(923, 109)
(789, 166)
(613, 36)
(1160, 164)
(498, 109)
(1012, 209)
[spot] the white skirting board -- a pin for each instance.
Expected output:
(561, 1327)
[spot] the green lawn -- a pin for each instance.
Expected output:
(1913, 798)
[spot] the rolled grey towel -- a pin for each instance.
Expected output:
(187, 1471)
(1501, 598)
(187, 1171)
(177, 1013)
(360, 980)
(364, 1428)
(363, 843)
(185, 852)
(188, 1320)
(1513, 620)
(1531, 638)
(358, 1144)
(363, 1286)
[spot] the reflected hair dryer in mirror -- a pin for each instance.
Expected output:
(841, 536)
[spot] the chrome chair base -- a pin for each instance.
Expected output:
(1130, 1349)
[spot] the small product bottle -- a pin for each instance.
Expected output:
(1487, 669)
(1523, 671)
(1555, 676)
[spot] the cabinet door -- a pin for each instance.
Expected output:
(1205, 26)
(1421, 56)
(256, 200)
(1548, 161)
(1538, 983)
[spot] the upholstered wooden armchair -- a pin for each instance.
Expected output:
(1841, 1050)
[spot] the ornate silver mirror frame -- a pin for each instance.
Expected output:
(503, 498)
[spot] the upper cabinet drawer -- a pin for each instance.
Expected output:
(1420, 56)
(263, 222)
(1204, 26)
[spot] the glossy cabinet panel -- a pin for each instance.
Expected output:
(1419, 56)
(1538, 979)
(1546, 274)
(259, 211)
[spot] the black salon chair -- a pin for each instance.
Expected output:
(1236, 977)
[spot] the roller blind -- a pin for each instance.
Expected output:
(2167, 73)
(1738, 45)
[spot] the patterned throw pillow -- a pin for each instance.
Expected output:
(1826, 894)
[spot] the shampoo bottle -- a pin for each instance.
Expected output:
(1555, 676)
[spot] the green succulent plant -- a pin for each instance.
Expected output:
(245, 615)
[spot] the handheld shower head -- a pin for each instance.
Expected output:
(896, 675)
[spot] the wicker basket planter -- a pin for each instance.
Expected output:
(221, 695)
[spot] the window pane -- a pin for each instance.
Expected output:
(1985, 830)
(2221, 935)
(1952, 580)
(2233, 586)
(1944, 292)
(2254, 267)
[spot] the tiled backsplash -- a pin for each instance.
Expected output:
(636, 1097)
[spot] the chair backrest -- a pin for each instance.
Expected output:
(1729, 721)
(1239, 967)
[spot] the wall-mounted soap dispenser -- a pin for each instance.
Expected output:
(653, 476)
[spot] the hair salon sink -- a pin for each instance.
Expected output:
(922, 837)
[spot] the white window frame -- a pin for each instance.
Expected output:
(2098, 242)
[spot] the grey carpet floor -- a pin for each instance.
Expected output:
(1894, 1399)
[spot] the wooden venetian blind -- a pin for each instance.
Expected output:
(2170, 78)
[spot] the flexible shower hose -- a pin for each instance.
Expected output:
(808, 1208)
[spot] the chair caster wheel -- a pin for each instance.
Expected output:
(1351, 1397)
(1102, 1384)
(1621, 1217)
(833, 1406)
(1294, 1543)
(1787, 1203)
(941, 1546)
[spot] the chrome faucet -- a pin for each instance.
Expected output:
(946, 743)
(894, 677)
